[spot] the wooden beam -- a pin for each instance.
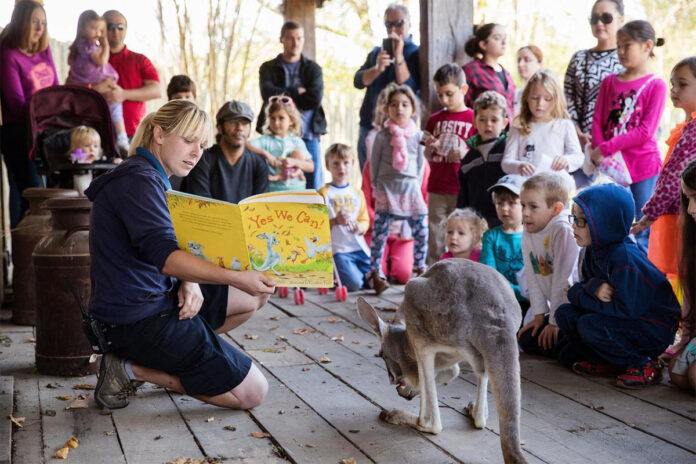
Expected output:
(303, 13)
(445, 25)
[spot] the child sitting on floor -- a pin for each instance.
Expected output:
(502, 245)
(463, 232)
(550, 257)
(623, 314)
(347, 217)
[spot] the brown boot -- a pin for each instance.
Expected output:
(377, 283)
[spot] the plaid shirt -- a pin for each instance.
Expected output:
(481, 77)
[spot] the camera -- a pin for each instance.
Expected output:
(388, 46)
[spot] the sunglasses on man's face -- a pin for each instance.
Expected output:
(112, 26)
(395, 24)
(606, 18)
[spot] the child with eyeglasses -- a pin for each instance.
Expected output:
(89, 64)
(623, 313)
(282, 147)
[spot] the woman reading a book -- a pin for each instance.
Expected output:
(160, 326)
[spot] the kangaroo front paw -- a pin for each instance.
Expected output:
(479, 415)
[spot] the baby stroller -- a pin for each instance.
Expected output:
(53, 112)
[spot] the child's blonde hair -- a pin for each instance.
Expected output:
(406, 90)
(81, 135)
(284, 103)
(381, 110)
(340, 151)
(476, 223)
(551, 184)
(559, 108)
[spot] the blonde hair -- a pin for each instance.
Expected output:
(178, 117)
(559, 108)
(293, 113)
(551, 184)
(381, 110)
(84, 134)
(340, 151)
(476, 223)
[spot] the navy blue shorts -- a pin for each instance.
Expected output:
(189, 349)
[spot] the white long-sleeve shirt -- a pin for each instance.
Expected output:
(550, 260)
(545, 141)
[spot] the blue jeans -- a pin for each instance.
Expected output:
(362, 148)
(642, 191)
(621, 342)
(315, 180)
(351, 268)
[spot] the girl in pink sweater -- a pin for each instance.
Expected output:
(627, 114)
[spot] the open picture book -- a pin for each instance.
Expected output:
(285, 235)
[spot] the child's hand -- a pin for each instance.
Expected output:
(596, 156)
(548, 337)
(288, 163)
(644, 223)
(428, 138)
(526, 169)
(455, 155)
(117, 160)
(605, 292)
(535, 324)
(559, 163)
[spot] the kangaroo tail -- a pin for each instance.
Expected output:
(503, 367)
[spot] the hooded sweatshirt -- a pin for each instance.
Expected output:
(131, 237)
(641, 291)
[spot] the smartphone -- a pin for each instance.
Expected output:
(388, 47)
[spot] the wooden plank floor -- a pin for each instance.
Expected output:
(324, 412)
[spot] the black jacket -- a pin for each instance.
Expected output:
(272, 82)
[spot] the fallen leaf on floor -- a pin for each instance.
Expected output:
(83, 386)
(30, 340)
(64, 397)
(281, 411)
(596, 408)
(50, 413)
(523, 442)
(301, 331)
(355, 342)
(210, 419)
(93, 358)
(182, 460)
(62, 453)
(282, 337)
(72, 442)
(324, 360)
(4, 339)
(305, 369)
(310, 445)
(54, 385)
(274, 318)
(109, 433)
(18, 421)
(354, 431)
(273, 350)
(158, 437)
(231, 428)
(333, 320)
(348, 461)
(275, 327)
(338, 338)
(260, 434)
(81, 402)
(250, 336)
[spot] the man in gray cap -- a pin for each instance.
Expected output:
(228, 171)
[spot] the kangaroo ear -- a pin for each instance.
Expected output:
(368, 314)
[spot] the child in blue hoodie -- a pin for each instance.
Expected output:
(623, 313)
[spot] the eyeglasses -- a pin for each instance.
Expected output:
(119, 26)
(580, 222)
(606, 18)
(395, 24)
(281, 99)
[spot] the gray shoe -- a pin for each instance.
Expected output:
(113, 384)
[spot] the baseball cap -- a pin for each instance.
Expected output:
(512, 182)
(234, 109)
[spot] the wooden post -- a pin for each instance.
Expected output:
(302, 12)
(445, 25)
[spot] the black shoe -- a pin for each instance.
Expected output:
(113, 385)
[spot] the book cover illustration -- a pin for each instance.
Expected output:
(285, 235)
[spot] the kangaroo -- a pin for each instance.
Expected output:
(272, 256)
(196, 249)
(459, 310)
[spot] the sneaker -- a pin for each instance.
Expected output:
(113, 385)
(378, 283)
(636, 378)
(594, 368)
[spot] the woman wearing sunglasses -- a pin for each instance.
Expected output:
(587, 69)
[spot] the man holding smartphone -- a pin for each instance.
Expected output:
(396, 61)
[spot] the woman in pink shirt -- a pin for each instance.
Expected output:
(627, 114)
(26, 65)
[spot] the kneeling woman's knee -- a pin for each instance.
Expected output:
(252, 391)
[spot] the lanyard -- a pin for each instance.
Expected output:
(155, 164)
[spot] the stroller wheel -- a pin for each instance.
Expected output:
(323, 291)
(283, 292)
(298, 294)
(341, 293)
